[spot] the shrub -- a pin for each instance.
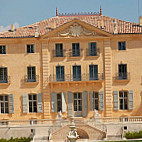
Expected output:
(133, 135)
(22, 139)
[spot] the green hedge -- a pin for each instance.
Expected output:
(23, 139)
(133, 135)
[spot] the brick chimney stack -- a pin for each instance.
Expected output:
(140, 20)
(12, 28)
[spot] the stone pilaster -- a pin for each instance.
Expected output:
(46, 89)
(108, 78)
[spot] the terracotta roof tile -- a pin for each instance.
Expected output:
(44, 26)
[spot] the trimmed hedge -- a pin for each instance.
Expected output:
(22, 139)
(133, 135)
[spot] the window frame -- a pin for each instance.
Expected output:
(76, 70)
(32, 77)
(30, 48)
(94, 99)
(94, 74)
(76, 50)
(123, 74)
(3, 49)
(59, 52)
(122, 45)
(124, 100)
(60, 70)
(79, 106)
(93, 48)
(33, 102)
(4, 75)
(59, 102)
(4, 101)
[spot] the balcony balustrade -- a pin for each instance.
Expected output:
(75, 53)
(4, 79)
(92, 52)
(122, 76)
(70, 77)
(28, 79)
(61, 53)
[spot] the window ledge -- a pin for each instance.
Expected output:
(4, 84)
(31, 83)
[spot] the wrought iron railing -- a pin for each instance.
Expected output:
(70, 77)
(75, 53)
(62, 53)
(92, 52)
(122, 76)
(4, 79)
(33, 78)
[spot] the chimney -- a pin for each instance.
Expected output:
(36, 30)
(115, 27)
(140, 20)
(99, 23)
(12, 28)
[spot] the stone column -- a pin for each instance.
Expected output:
(108, 78)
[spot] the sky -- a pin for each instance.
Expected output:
(25, 12)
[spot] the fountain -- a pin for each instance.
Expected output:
(72, 136)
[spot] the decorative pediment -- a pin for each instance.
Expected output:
(76, 30)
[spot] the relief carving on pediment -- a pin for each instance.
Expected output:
(76, 30)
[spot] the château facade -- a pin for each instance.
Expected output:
(73, 63)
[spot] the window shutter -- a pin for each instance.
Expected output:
(101, 101)
(25, 103)
(70, 109)
(39, 102)
(91, 100)
(85, 103)
(63, 102)
(130, 100)
(115, 100)
(54, 102)
(11, 106)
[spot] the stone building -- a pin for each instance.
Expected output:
(73, 63)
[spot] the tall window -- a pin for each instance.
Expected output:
(76, 73)
(2, 49)
(92, 49)
(123, 100)
(77, 102)
(95, 100)
(30, 48)
(122, 45)
(75, 49)
(31, 74)
(59, 102)
(59, 50)
(3, 75)
(60, 73)
(4, 104)
(93, 72)
(122, 69)
(32, 103)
